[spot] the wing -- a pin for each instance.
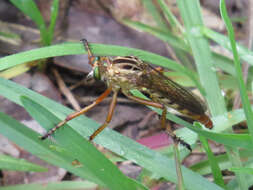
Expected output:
(163, 90)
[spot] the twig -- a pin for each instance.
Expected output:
(64, 90)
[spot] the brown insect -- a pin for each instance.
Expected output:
(128, 73)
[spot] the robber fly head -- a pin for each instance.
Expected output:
(94, 61)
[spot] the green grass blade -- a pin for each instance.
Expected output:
(46, 150)
(217, 175)
(29, 8)
(235, 160)
(244, 170)
(233, 140)
(172, 20)
(28, 139)
(160, 165)
(165, 36)
(203, 167)
(149, 5)
(14, 71)
(242, 87)
(64, 185)
(224, 63)
(54, 14)
(10, 163)
(234, 153)
(244, 53)
(98, 49)
(82, 150)
(180, 179)
(191, 14)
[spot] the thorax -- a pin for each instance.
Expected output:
(122, 73)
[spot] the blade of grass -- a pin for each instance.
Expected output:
(244, 53)
(172, 20)
(245, 170)
(217, 175)
(155, 14)
(94, 162)
(242, 87)
(29, 8)
(54, 14)
(191, 14)
(234, 153)
(75, 48)
(166, 36)
(28, 139)
(232, 184)
(203, 167)
(224, 63)
(10, 163)
(64, 185)
(185, 60)
(121, 145)
(15, 71)
(180, 179)
(234, 158)
(98, 49)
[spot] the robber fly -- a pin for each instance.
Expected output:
(128, 73)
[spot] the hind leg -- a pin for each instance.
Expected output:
(170, 132)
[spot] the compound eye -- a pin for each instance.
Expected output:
(96, 73)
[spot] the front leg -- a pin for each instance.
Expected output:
(76, 114)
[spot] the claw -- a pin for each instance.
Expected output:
(182, 142)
